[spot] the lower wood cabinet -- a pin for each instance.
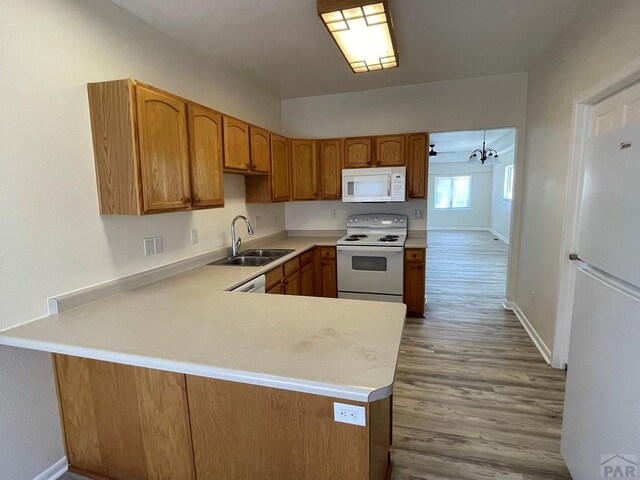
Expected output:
(414, 281)
(327, 272)
(131, 423)
(307, 284)
(123, 422)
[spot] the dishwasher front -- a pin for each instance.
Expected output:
(256, 285)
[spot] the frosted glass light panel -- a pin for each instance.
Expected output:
(453, 192)
(364, 35)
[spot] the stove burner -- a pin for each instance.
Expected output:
(388, 238)
(355, 237)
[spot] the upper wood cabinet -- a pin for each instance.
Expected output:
(390, 151)
(304, 170)
(205, 155)
(357, 152)
(260, 150)
(417, 165)
(164, 151)
(280, 169)
(236, 145)
(154, 151)
(330, 152)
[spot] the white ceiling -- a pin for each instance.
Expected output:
(281, 45)
(455, 147)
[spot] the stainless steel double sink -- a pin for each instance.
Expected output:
(253, 258)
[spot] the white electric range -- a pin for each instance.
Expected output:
(371, 257)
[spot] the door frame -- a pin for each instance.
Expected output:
(582, 104)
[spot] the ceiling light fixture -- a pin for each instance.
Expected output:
(363, 31)
(485, 154)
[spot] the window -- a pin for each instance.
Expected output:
(508, 183)
(452, 192)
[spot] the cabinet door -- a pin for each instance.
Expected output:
(124, 422)
(304, 170)
(357, 153)
(236, 144)
(329, 275)
(417, 165)
(292, 284)
(280, 173)
(414, 281)
(205, 155)
(275, 290)
(164, 150)
(260, 150)
(330, 169)
(307, 286)
(390, 151)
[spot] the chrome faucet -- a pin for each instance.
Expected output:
(235, 243)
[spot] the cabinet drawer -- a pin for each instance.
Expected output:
(414, 255)
(306, 257)
(327, 252)
(275, 290)
(273, 277)
(291, 267)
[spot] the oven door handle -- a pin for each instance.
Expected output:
(365, 250)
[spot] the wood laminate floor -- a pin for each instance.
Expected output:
(473, 397)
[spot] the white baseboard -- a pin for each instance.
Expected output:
(475, 229)
(54, 471)
(537, 340)
(499, 235)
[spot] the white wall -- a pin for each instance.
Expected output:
(476, 217)
(603, 38)
(501, 208)
(468, 104)
(52, 238)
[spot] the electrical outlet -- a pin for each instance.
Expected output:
(149, 248)
(334, 213)
(194, 236)
(157, 245)
(418, 214)
(256, 221)
(352, 414)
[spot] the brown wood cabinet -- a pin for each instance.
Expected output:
(326, 273)
(273, 280)
(390, 151)
(357, 152)
(131, 423)
(414, 281)
(124, 422)
(304, 170)
(153, 153)
(330, 159)
(164, 150)
(307, 273)
(291, 282)
(260, 143)
(205, 155)
(417, 165)
(280, 169)
(236, 145)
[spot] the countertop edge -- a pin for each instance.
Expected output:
(358, 394)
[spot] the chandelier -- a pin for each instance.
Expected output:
(485, 154)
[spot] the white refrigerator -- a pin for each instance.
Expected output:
(601, 426)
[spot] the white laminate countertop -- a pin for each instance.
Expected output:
(187, 323)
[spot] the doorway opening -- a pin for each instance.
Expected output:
(469, 212)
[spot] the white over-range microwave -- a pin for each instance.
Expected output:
(374, 184)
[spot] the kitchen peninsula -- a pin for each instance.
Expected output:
(180, 379)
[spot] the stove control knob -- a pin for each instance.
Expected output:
(351, 220)
(375, 219)
(402, 220)
(355, 220)
(395, 220)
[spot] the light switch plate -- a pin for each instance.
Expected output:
(149, 248)
(157, 244)
(194, 236)
(352, 414)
